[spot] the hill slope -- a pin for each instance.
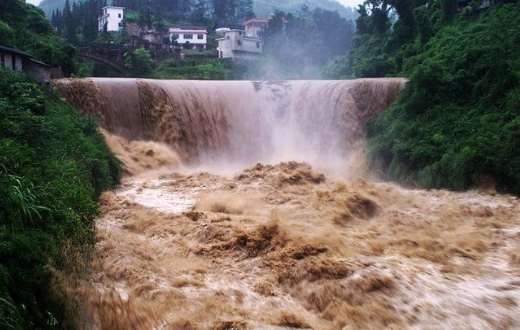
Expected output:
(53, 166)
(457, 122)
(262, 7)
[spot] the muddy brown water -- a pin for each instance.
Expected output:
(246, 205)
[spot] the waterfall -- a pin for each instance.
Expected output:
(237, 122)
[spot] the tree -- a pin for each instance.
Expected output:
(139, 62)
(424, 25)
(6, 34)
(224, 11)
(449, 9)
(199, 10)
(145, 17)
(245, 10)
(70, 26)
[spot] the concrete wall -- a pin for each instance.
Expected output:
(9, 64)
(40, 72)
(225, 48)
(19, 63)
(8, 61)
(237, 41)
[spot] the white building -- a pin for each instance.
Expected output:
(254, 26)
(189, 37)
(112, 19)
(236, 45)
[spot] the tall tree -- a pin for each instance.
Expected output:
(199, 11)
(70, 25)
(245, 10)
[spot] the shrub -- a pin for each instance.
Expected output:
(53, 166)
(458, 118)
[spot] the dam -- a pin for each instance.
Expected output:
(247, 205)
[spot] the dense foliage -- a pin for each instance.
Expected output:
(53, 166)
(139, 62)
(458, 120)
(193, 69)
(25, 27)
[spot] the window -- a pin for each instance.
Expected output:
(188, 36)
(200, 36)
(119, 15)
(239, 42)
(228, 37)
(258, 44)
(175, 36)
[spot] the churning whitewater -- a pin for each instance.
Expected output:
(246, 205)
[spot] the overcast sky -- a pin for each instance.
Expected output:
(351, 3)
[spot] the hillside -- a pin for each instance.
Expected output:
(25, 27)
(262, 7)
(53, 166)
(457, 123)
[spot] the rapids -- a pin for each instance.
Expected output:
(246, 205)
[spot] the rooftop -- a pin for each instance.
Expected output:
(188, 28)
(15, 51)
(258, 20)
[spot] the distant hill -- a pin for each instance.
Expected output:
(263, 8)
(49, 5)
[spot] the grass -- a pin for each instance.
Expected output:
(53, 166)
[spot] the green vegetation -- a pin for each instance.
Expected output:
(458, 120)
(53, 167)
(139, 62)
(25, 27)
(200, 8)
(193, 69)
(265, 67)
